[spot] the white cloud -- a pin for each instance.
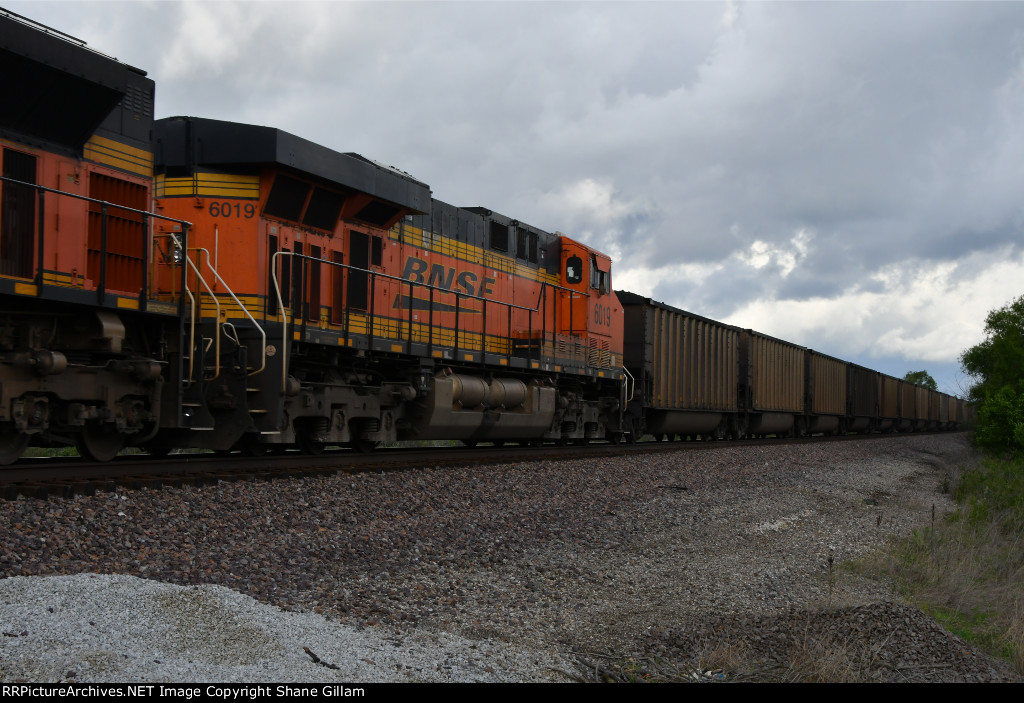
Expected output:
(731, 14)
(593, 211)
(209, 38)
(761, 254)
(927, 311)
(595, 199)
(643, 280)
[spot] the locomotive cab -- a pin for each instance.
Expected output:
(590, 317)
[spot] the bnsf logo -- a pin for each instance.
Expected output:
(416, 270)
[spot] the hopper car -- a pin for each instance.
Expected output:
(698, 378)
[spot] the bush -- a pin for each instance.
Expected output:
(968, 570)
(997, 364)
(1000, 420)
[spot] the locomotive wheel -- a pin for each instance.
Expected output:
(364, 446)
(631, 435)
(12, 444)
(250, 445)
(96, 442)
(615, 437)
(309, 446)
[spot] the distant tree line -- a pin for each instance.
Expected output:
(922, 378)
(997, 367)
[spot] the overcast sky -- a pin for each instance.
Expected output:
(846, 176)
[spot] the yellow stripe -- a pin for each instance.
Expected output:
(25, 288)
(415, 236)
(397, 332)
(209, 185)
(111, 153)
(52, 278)
(157, 306)
(128, 303)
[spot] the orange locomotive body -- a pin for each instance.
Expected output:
(79, 348)
(371, 311)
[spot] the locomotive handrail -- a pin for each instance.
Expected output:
(76, 196)
(284, 312)
(263, 333)
(192, 320)
(192, 331)
(150, 217)
(427, 286)
(101, 285)
(284, 315)
(147, 219)
(629, 383)
(39, 26)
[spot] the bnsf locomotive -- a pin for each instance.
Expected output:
(196, 283)
(189, 282)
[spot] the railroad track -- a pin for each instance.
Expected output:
(44, 477)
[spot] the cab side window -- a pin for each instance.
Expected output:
(601, 280)
(573, 269)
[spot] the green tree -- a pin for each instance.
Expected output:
(922, 378)
(997, 367)
(999, 360)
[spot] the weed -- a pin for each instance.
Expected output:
(51, 451)
(967, 571)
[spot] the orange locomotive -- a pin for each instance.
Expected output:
(262, 291)
(80, 349)
(388, 315)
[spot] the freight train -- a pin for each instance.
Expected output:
(696, 377)
(196, 283)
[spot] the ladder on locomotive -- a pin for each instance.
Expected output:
(203, 336)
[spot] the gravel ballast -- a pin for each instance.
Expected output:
(518, 572)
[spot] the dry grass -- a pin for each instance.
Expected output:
(810, 657)
(811, 662)
(968, 571)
